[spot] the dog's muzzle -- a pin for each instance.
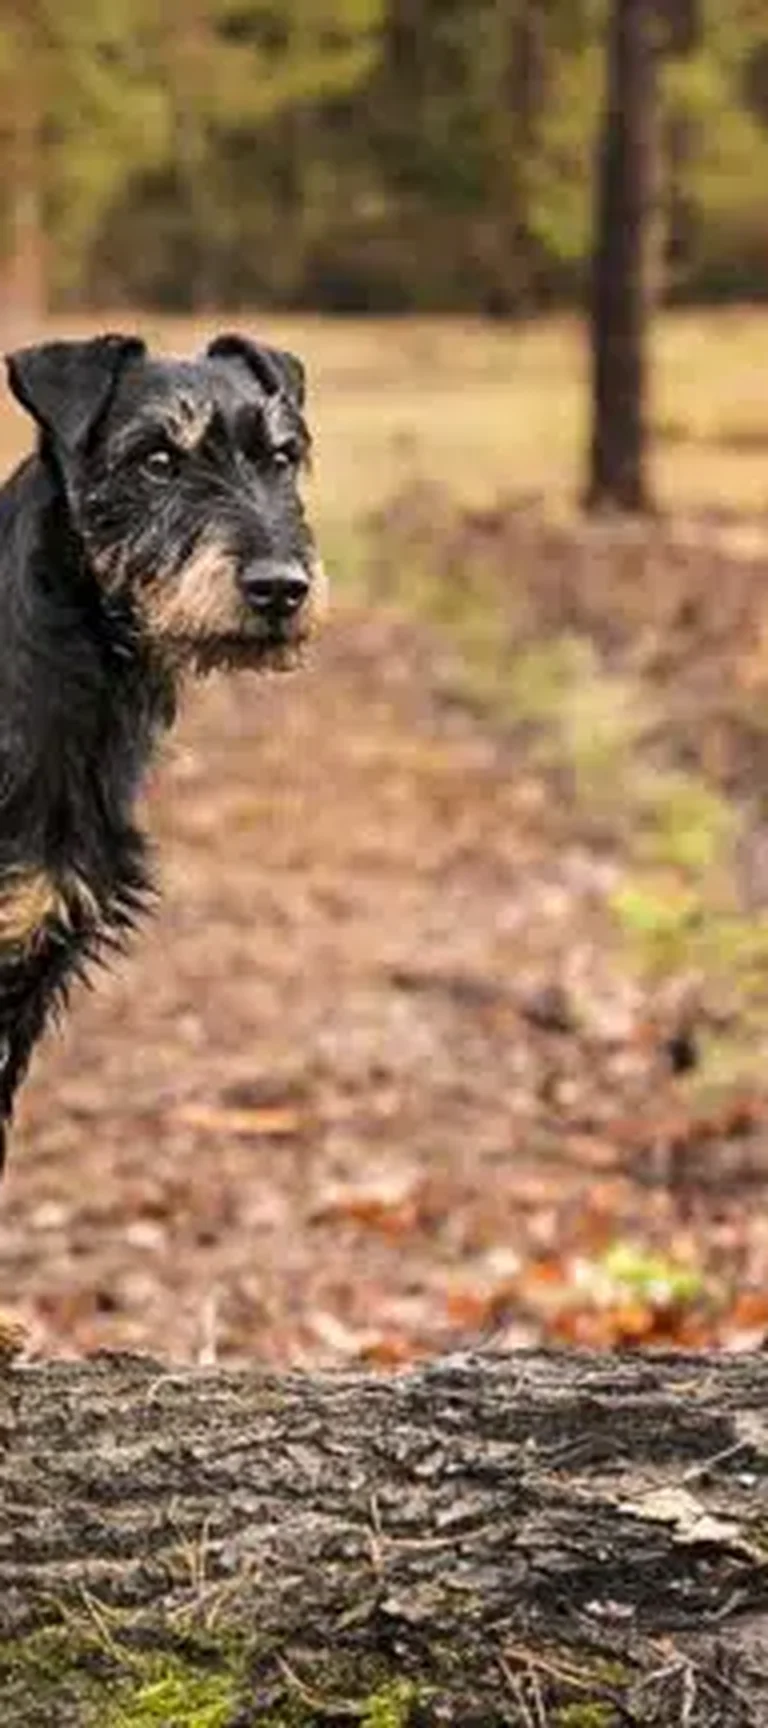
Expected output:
(275, 591)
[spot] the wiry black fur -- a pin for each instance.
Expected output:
(85, 688)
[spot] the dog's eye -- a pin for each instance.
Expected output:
(158, 463)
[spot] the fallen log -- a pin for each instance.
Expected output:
(527, 1539)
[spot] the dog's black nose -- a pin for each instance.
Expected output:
(275, 589)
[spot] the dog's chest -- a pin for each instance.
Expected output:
(61, 909)
(83, 881)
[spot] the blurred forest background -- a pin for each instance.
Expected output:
(348, 155)
(454, 1020)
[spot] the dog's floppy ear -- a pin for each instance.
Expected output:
(276, 369)
(67, 385)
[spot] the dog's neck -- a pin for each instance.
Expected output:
(88, 724)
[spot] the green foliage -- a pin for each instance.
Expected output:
(686, 922)
(661, 917)
(726, 145)
(358, 152)
(591, 718)
(689, 825)
(651, 1278)
(603, 731)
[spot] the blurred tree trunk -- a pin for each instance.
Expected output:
(23, 299)
(622, 260)
(23, 284)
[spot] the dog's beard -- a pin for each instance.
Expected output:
(254, 643)
(272, 653)
(258, 647)
(223, 632)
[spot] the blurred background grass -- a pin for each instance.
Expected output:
(487, 409)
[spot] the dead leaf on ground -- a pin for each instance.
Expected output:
(272, 1122)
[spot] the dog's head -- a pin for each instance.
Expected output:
(182, 479)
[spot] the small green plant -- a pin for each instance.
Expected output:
(543, 678)
(659, 1282)
(601, 728)
(586, 1716)
(176, 1694)
(684, 823)
(590, 721)
(391, 1707)
(660, 917)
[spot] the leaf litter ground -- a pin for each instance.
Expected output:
(379, 1079)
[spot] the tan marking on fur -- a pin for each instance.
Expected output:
(31, 900)
(78, 899)
(203, 599)
(315, 608)
(28, 900)
(109, 566)
(188, 422)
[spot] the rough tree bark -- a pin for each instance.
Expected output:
(622, 260)
(532, 1539)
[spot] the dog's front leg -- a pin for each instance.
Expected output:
(28, 993)
(17, 1041)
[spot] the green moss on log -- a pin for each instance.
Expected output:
(593, 1715)
(99, 1669)
(391, 1707)
(90, 1676)
(175, 1692)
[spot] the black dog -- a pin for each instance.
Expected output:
(158, 528)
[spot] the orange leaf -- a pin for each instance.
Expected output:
(388, 1352)
(749, 1310)
(590, 1328)
(377, 1215)
(274, 1121)
(393, 1208)
(632, 1321)
(545, 1272)
(475, 1309)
